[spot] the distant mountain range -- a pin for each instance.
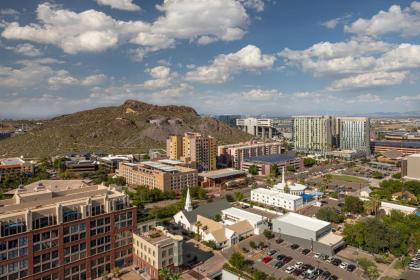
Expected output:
(133, 127)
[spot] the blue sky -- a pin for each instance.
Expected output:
(249, 57)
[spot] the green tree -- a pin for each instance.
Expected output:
(253, 245)
(372, 272)
(198, 224)
(237, 260)
(396, 175)
(353, 205)
(309, 162)
(253, 169)
(330, 215)
(377, 175)
(239, 196)
(268, 234)
(291, 168)
(274, 170)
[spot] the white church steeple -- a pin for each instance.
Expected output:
(188, 204)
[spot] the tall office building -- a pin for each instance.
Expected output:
(197, 150)
(313, 134)
(65, 229)
(354, 133)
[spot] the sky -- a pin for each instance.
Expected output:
(249, 57)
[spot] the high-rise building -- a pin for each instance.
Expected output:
(197, 150)
(65, 229)
(354, 133)
(174, 147)
(313, 134)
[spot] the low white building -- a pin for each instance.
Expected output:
(291, 187)
(234, 215)
(277, 199)
(388, 207)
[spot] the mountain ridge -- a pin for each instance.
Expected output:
(133, 127)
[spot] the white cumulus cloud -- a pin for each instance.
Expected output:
(126, 5)
(249, 58)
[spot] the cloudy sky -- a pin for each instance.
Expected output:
(274, 57)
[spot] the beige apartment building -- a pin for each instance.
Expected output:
(313, 134)
(158, 175)
(195, 149)
(157, 249)
(410, 167)
(233, 155)
(15, 166)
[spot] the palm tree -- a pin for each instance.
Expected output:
(175, 276)
(198, 224)
(165, 273)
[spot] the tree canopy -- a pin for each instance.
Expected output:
(330, 215)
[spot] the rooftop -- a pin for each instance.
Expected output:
(160, 236)
(330, 239)
(277, 193)
(241, 227)
(11, 161)
(170, 161)
(221, 173)
(397, 144)
(208, 210)
(242, 214)
(272, 158)
(414, 156)
(303, 221)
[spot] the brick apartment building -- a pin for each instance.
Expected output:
(65, 230)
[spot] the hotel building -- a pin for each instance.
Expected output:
(15, 166)
(158, 175)
(197, 150)
(65, 230)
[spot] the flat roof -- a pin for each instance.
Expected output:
(277, 193)
(262, 213)
(397, 144)
(216, 174)
(330, 239)
(272, 158)
(160, 166)
(170, 161)
(414, 156)
(243, 215)
(303, 221)
(398, 207)
(11, 161)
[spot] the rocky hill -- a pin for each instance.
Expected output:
(133, 127)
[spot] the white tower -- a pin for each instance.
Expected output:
(282, 177)
(188, 205)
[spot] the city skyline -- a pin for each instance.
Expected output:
(260, 57)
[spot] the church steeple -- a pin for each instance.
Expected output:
(282, 177)
(188, 204)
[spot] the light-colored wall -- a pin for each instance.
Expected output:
(413, 167)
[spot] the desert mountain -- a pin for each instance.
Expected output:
(133, 127)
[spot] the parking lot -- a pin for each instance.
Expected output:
(269, 268)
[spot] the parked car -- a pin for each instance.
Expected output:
(278, 264)
(330, 259)
(267, 259)
(294, 246)
(305, 251)
(271, 252)
(317, 255)
(290, 269)
(298, 264)
(351, 267)
(297, 272)
(332, 277)
(281, 257)
(324, 257)
(325, 275)
(279, 241)
(287, 260)
(336, 262)
(343, 265)
(245, 250)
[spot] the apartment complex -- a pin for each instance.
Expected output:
(57, 229)
(353, 133)
(158, 175)
(410, 167)
(263, 128)
(15, 166)
(233, 155)
(313, 134)
(323, 134)
(197, 150)
(157, 249)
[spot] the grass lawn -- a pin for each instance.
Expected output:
(347, 178)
